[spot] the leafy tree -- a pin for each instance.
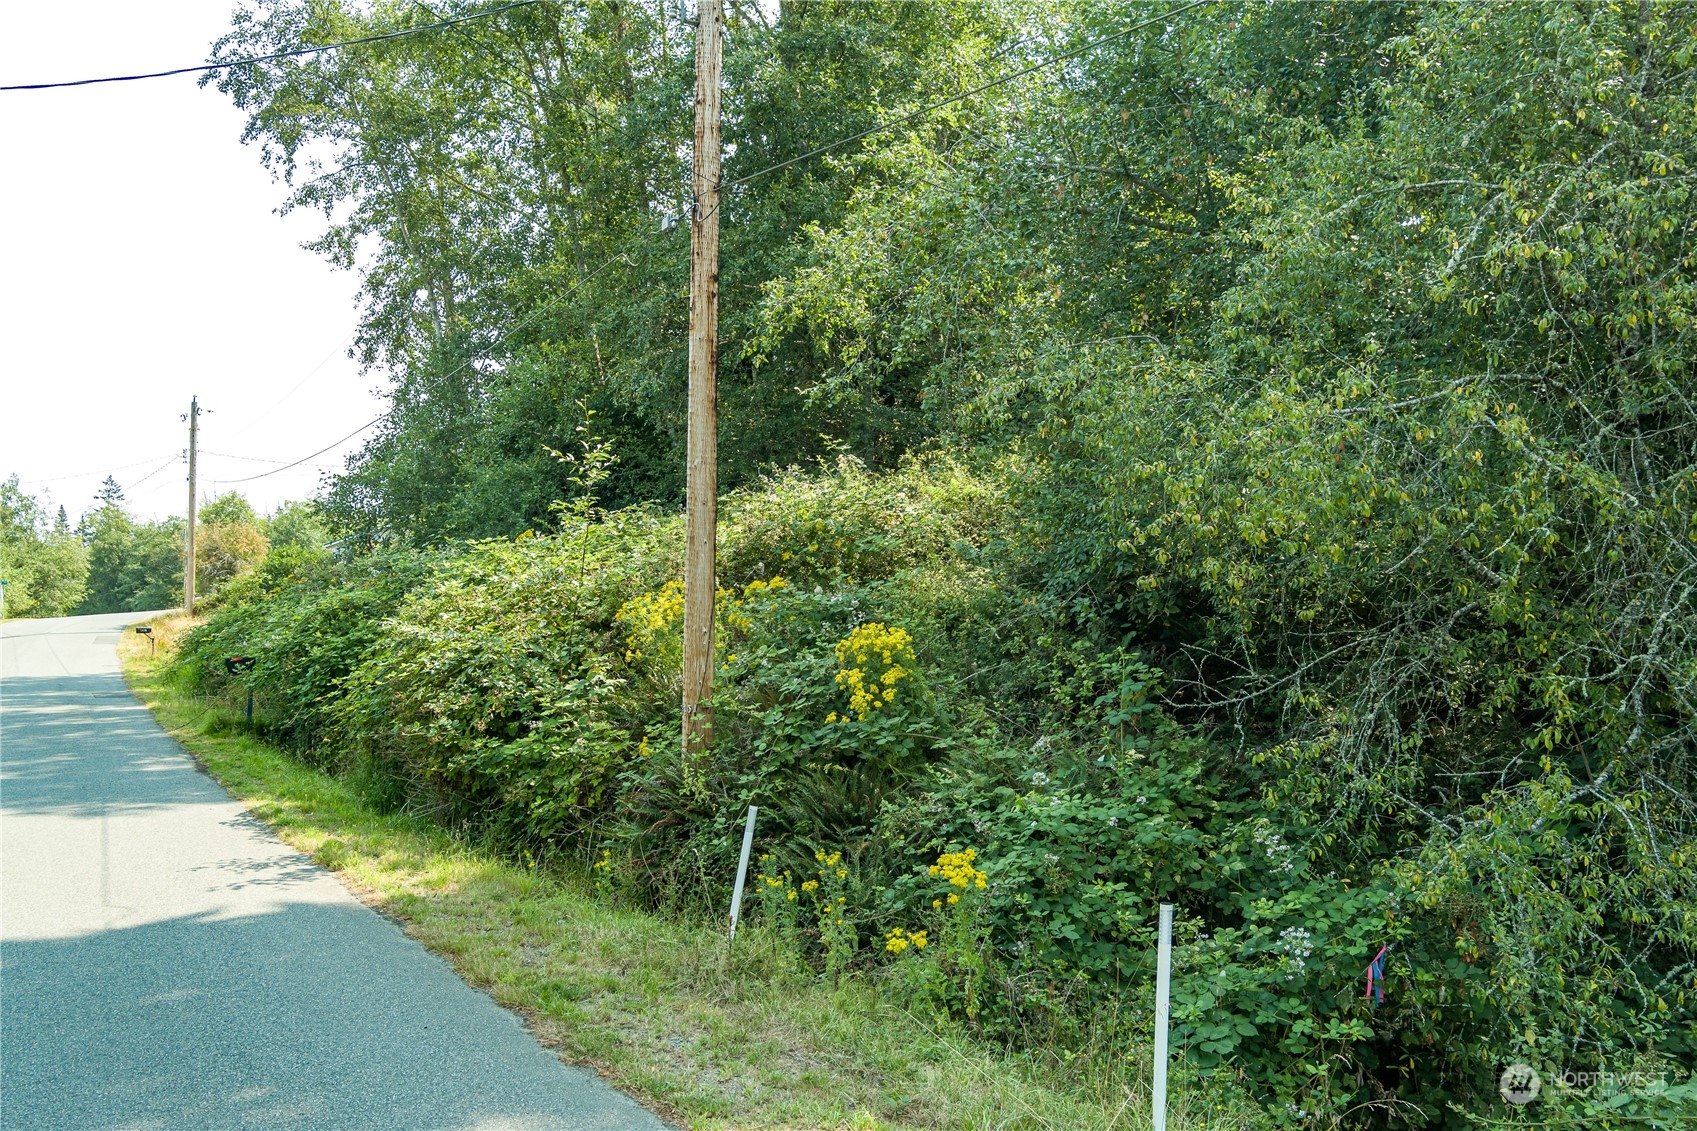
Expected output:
(44, 565)
(228, 509)
(296, 525)
(516, 266)
(132, 566)
(227, 550)
(229, 541)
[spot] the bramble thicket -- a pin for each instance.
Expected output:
(1248, 464)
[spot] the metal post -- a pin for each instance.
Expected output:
(250, 706)
(1163, 988)
(742, 870)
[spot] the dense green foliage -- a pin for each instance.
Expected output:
(41, 560)
(113, 563)
(510, 182)
(1314, 548)
(528, 689)
(132, 566)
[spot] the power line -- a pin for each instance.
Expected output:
(173, 459)
(249, 426)
(460, 368)
(231, 455)
(922, 112)
(206, 67)
(303, 459)
(89, 474)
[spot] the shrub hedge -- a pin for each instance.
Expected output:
(976, 785)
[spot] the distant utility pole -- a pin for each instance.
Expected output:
(702, 507)
(188, 558)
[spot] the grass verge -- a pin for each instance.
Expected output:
(658, 1006)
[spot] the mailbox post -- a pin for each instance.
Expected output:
(242, 665)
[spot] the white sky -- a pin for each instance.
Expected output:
(142, 262)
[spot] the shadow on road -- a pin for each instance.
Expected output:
(208, 1022)
(81, 744)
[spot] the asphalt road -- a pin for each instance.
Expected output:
(165, 962)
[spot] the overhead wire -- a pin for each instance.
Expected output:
(298, 385)
(880, 127)
(232, 455)
(212, 65)
(132, 486)
(505, 337)
(303, 459)
(97, 471)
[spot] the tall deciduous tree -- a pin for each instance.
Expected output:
(42, 563)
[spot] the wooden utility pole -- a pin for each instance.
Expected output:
(188, 557)
(702, 507)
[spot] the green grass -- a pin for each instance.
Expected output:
(708, 1038)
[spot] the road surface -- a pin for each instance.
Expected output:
(165, 962)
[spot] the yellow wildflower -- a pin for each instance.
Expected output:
(871, 685)
(957, 868)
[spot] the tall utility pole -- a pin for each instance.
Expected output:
(702, 518)
(188, 557)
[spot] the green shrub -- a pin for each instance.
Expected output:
(907, 681)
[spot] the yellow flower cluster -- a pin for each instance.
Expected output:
(833, 862)
(780, 881)
(730, 607)
(650, 615)
(958, 869)
(873, 659)
(899, 940)
(651, 618)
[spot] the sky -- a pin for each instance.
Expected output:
(142, 262)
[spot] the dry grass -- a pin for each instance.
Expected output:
(708, 1038)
